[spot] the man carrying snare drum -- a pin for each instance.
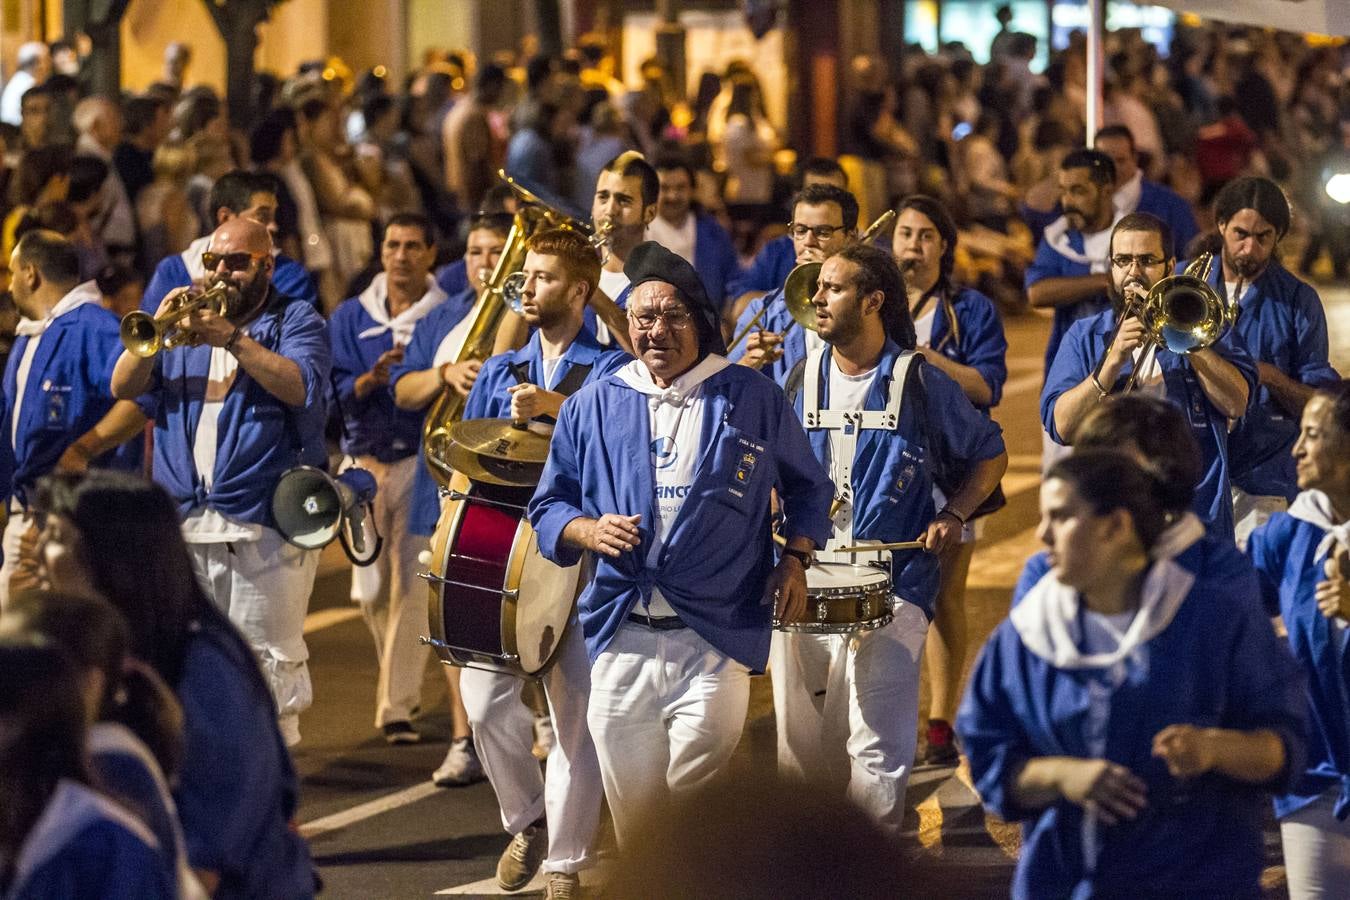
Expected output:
(885, 423)
(663, 471)
(557, 813)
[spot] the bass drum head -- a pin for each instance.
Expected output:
(534, 621)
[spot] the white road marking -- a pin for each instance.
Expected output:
(370, 809)
(327, 618)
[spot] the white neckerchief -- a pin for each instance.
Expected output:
(1057, 236)
(192, 258)
(1126, 198)
(1178, 537)
(1042, 618)
(87, 292)
(639, 378)
(374, 300)
(1314, 507)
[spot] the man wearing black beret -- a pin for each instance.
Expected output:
(663, 471)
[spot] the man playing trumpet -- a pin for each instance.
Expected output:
(241, 402)
(1210, 384)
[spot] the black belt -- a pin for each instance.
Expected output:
(657, 623)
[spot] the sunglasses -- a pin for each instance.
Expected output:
(234, 262)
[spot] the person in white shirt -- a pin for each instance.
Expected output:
(35, 66)
(626, 194)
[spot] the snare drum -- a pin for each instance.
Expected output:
(495, 602)
(843, 598)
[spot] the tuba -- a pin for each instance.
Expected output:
(499, 292)
(1181, 313)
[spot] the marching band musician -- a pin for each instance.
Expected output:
(426, 369)
(242, 404)
(824, 218)
(691, 233)
(57, 410)
(1132, 707)
(663, 470)
(626, 196)
(963, 329)
(1284, 328)
(862, 733)
(248, 195)
(1211, 384)
(558, 812)
(369, 333)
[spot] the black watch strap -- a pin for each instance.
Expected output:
(801, 556)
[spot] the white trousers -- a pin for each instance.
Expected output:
(848, 710)
(666, 712)
(264, 587)
(503, 732)
(1316, 851)
(393, 600)
(18, 523)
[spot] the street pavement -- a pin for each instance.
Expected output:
(378, 828)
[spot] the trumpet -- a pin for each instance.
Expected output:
(145, 335)
(801, 286)
(1181, 313)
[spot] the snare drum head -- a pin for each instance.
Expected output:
(826, 575)
(547, 593)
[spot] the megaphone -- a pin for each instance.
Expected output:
(313, 508)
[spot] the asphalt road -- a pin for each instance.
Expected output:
(379, 829)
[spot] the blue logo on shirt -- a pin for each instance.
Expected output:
(664, 452)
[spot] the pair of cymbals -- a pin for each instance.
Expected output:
(499, 451)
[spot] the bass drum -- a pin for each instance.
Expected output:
(495, 602)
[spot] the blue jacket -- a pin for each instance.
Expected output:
(453, 277)
(418, 357)
(893, 471)
(976, 340)
(260, 437)
(768, 270)
(719, 554)
(290, 279)
(715, 259)
(1051, 263)
(1084, 345)
(237, 792)
(1284, 551)
(374, 425)
(779, 321)
(69, 390)
(1218, 663)
(1282, 322)
(489, 398)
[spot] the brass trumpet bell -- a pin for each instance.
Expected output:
(801, 285)
(1183, 313)
(145, 335)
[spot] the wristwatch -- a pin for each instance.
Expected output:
(805, 557)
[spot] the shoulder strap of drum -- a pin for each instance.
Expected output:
(574, 379)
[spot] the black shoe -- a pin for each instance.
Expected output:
(941, 749)
(401, 733)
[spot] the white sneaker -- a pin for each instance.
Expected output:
(461, 765)
(544, 738)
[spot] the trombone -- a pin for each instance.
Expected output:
(801, 285)
(1181, 313)
(145, 335)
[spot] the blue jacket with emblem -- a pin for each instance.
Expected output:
(718, 556)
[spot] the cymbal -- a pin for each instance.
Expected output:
(497, 451)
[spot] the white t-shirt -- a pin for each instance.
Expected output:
(1097, 247)
(613, 284)
(205, 525)
(551, 372)
(923, 328)
(678, 239)
(847, 392)
(675, 438)
(1231, 286)
(449, 346)
(25, 368)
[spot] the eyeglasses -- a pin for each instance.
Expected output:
(822, 232)
(1125, 261)
(234, 262)
(675, 320)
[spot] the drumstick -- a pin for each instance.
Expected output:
(864, 548)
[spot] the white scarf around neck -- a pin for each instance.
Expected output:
(637, 376)
(86, 292)
(1314, 507)
(374, 301)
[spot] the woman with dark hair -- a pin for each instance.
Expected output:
(1303, 560)
(135, 725)
(1130, 711)
(120, 537)
(59, 837)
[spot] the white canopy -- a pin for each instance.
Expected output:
(1305, 16)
